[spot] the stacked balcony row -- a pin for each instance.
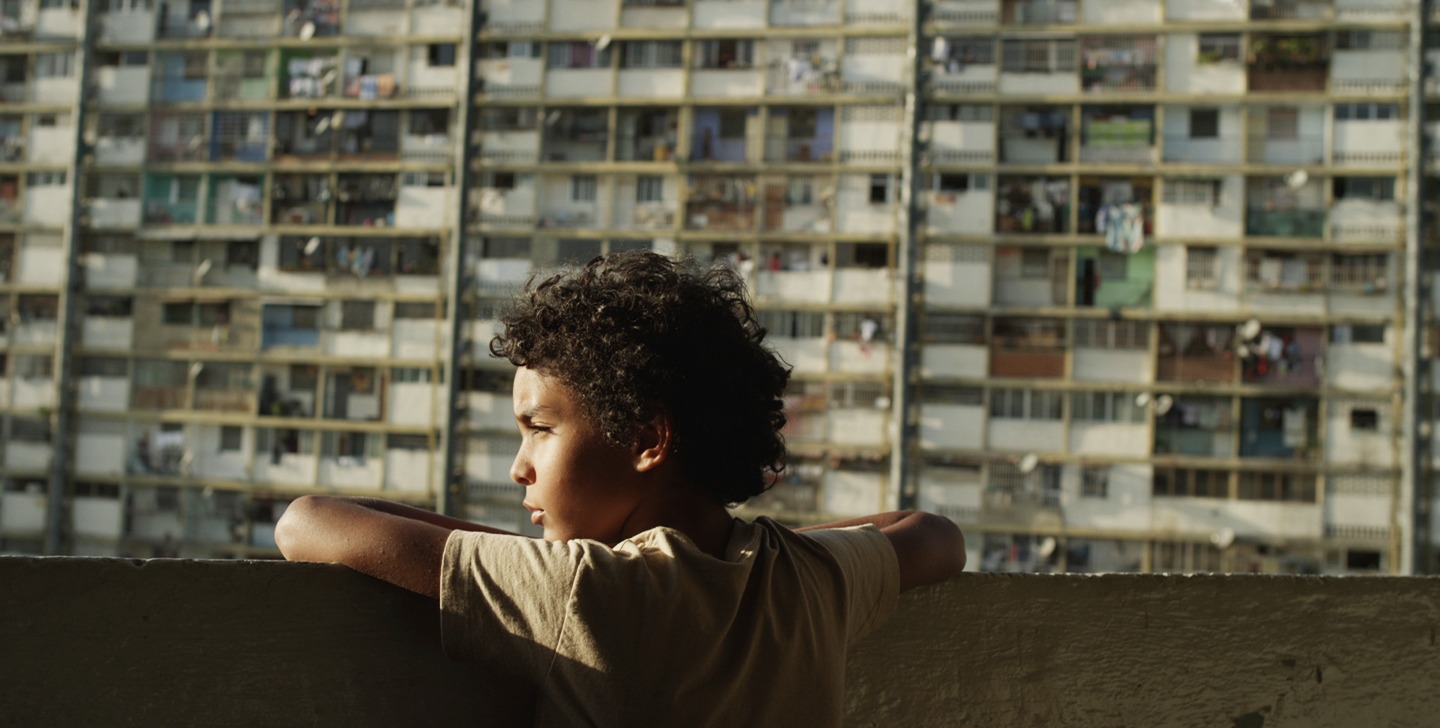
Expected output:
(1350, 62)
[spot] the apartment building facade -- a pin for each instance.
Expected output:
(1136, 285)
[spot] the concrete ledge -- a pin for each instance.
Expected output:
(218, 643)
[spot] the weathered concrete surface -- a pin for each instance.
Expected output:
(115, 642)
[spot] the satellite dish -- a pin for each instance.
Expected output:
(307, 31)
(882, 402)
(1047, 547)
(202, 21)
(337, 119)
(1297, 179)
(1250, 329)
(552, 117)
(328, 77)
(1142, 399)
(312, 245)
(1164, 404)
(203, 268)
(196, 368)
(1223, 538)
(322, 126)
(1029, 463)
(602, 43)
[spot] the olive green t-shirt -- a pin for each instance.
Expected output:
(655, 632)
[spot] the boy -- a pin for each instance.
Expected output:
(646, 404)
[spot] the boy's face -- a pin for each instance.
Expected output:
(577, 483)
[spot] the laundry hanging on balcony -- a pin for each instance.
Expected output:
(1123, 227)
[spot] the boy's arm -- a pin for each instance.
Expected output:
(930, 548)
(389, 541)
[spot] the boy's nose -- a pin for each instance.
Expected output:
(520, 471)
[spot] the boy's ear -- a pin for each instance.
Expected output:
(652, 448)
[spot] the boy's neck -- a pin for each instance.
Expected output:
(690, 511)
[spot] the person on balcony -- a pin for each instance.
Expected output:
(647, 403)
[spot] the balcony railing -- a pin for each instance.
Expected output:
(1043, 643)
(1296, 149)
(781, 148)
(1118, 78)
(1285, 223)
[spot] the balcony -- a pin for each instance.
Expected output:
(721, 204)
(1289, 63)
(719, 135)
(1288, 150)
(1123, 64)
(1039, 12)
(1291, 10)
(1033, 205)
(1279, 427)
(1197, 427)
(1195, 353)
(360, 630)
(1285, 356)
(575, 135)
(1034, 135)
(1118, 135)
(647, 135)
(1285, 223)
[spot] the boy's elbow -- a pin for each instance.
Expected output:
(949, 543)
(294, 523)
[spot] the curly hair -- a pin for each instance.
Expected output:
(633, 332)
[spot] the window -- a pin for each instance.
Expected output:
(425, 122)
(1365, 40)
(231, 437)
(651, 54)
(410, 375)
(732, 123)
(952, 395)
(1022, 404)
(1035, 264)
(650, 188)
(1114, 266)
(1095, 481)
(1191, 482)
(54, 65)
(45, 179)
(1038, 56)
(1366, 419)
(953, 182)
(1106, 407)
(1283, 124)
(1218, 48)
(1201, 264)
(357, 315)
(1366, 112)
(1204, 123)
(1357, 334)
(242, 254)
(879, 189)
(1366, 272)
(578, 54)
(725, 53)
(1296, 487)
(1105, 334)
(582, 188)
(1192, 191)
(1380, 189)
(952, 328)
(441, 54)
(178, 314)
(423, 310)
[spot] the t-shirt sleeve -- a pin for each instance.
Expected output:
(871, 571)
(506, 598)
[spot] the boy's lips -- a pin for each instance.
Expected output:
(535, 513)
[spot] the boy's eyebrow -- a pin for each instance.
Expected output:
(530, 413)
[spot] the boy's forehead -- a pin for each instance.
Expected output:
(535, 392)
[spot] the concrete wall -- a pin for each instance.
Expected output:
(116, 642)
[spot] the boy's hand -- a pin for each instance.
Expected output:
(389, 541)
